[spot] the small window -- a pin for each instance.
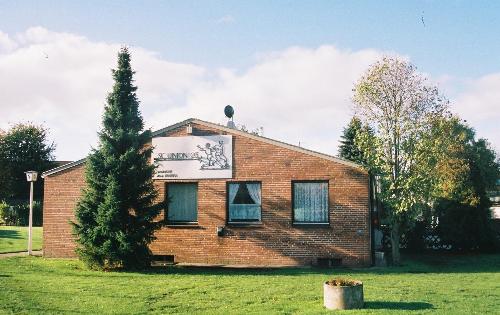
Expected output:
(183, 202)
(244, 200)
(310, 202)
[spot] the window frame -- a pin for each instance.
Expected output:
(243, 222)
(167, 207)
(305, 223)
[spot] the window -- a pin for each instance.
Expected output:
(183, 202)
(244, 202)
(310, 202)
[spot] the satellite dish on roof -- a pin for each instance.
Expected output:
(229, 111)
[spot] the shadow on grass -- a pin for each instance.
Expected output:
(12, 234)
(414, 264)
(408, 306)
(472, 264)
(194, 270)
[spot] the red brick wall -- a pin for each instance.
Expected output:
(61, 192)
(275, 242)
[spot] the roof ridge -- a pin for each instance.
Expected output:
(230, 130)
(288, 145)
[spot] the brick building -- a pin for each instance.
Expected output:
(237, 198)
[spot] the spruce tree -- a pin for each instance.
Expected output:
(348, 148)
(114, 219)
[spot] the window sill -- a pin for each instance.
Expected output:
(311, 225)
(245, 224)
(192, 225)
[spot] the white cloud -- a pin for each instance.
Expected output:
(297, 94)
(479, 104)
(62, 80)
(6, 43)
(226, 19)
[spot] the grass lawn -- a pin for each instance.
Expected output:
(427, 285)
(15, 238)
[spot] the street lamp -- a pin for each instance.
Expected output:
(31, 177)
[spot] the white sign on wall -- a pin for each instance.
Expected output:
(193, 157)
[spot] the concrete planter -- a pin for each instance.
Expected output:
(343, 297)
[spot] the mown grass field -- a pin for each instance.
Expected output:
(15, 238)
(428, 285)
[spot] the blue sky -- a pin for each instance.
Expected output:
(459, 37)
(287, 66)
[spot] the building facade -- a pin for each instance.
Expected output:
(236, 199)
(494, 196)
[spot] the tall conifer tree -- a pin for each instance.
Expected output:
(114, 219)
(348, 148)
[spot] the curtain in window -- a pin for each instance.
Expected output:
(233, 189)
(247, 211)
(254, 191)
(311, 202)
(183, 202)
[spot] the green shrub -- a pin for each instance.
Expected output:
(17, 213)
(416, 237)
(465, 227)
(3, 210)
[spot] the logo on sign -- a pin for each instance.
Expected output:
(193, 157)
(210, 156)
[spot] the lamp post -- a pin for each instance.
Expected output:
(31, 177)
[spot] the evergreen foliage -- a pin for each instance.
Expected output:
(114, 219)
(349, 148)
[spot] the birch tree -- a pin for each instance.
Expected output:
(398, 104)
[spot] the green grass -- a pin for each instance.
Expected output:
(428, 285)
(15, 238)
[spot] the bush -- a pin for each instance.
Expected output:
(17, 213)
(3, 210)
(416, 237)
(465, 227)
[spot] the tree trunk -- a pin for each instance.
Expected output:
(396, 258)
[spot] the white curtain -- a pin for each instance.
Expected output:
(254, 191)
(311, 202)
(183, 203)
(233, 189)
(245, 212)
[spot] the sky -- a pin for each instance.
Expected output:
(286, 66)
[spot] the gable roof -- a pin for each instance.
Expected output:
(63, 167)
(228, 130)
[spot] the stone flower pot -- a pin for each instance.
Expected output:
(342, 294)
